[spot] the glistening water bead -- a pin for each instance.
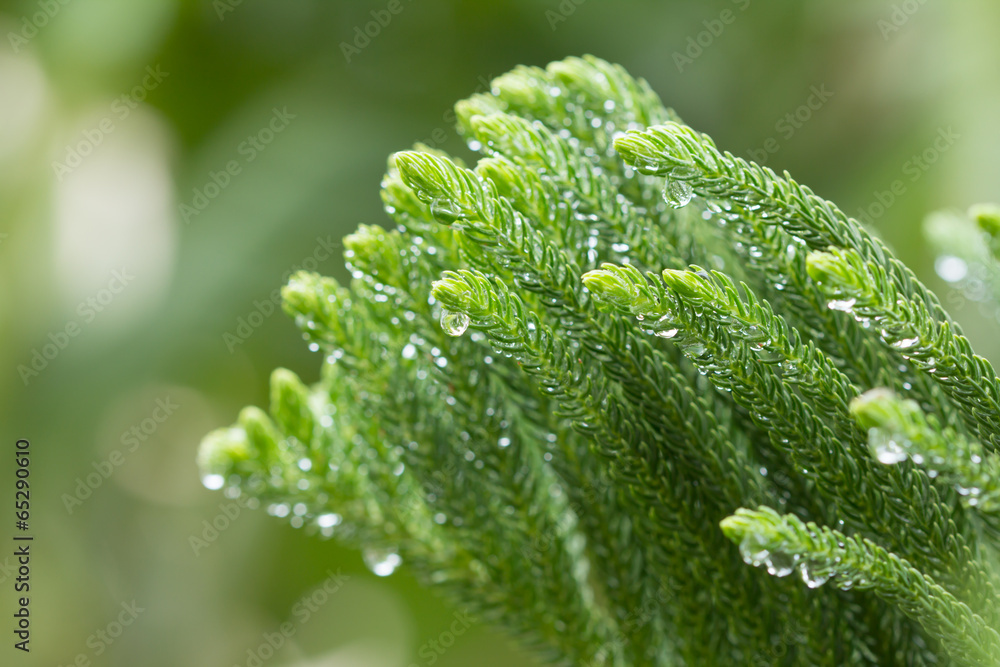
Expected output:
(844, 305)
(446, 208)
(381, 562)
(887, 447)
(754, 550)
(813, 577)
(454, 324)
(677, 193)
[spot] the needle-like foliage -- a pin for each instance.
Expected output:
(535, 397)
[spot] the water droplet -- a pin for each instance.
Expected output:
(446, 209)
(677, 193)
(503, 442)
(846, 305)
(904, 343)
(213, 482)
(813, 578)
(885, 446)
(305, 464)
(846, 584)
(648, 164)
(314, 347)
(328, 520)
(768, 356)
(454, 324)
(752, 550)
(667, 333)
(694, 349)
(780, 564)
(951, 268)
(409, 351)
(381, 562)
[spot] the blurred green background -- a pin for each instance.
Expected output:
(203, 150)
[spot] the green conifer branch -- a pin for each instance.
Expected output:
(680, 153)
(932, 346)
(589, 492)
(499, 486)
(796, 390)
(619, 223)
(899, 430)
(821, 554)
(556, 445)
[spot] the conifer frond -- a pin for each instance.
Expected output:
(683, 155)
(899, 430)
(934, 347)
(785, 544)
(798, 393)
(534, 398)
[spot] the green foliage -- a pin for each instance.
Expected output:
(534, 397)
